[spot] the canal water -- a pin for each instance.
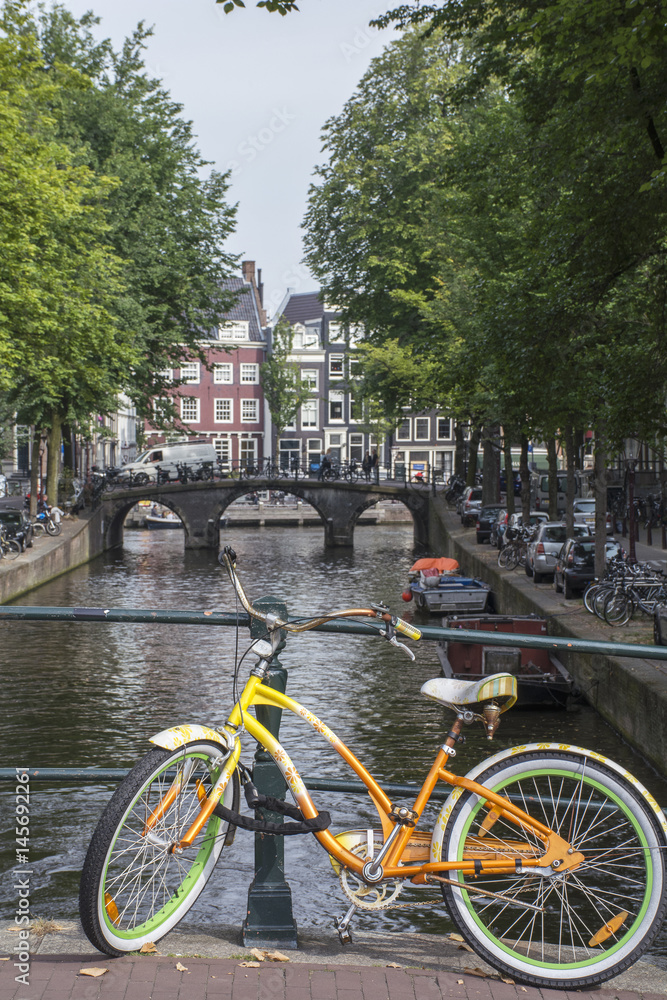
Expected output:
(92, 694)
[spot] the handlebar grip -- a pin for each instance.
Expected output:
(406, 629)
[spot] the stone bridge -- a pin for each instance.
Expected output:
(201, 505)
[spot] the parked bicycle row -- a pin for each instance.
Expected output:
(627, 590)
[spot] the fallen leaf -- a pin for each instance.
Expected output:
(181, 968)
(94, 972)
(511, 982)
(460, 982)
(276, 956)
(455, 937)
(249, 965)
(148, 949)
(393, 965)
(464, 947)
(477, 972)
(4, 959)
(259, 955)
(523, 988)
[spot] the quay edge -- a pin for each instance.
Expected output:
(630, 694)
(81, 540)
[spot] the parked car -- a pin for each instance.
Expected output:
(17, 525)
(487, 515)
(516, 521)
(543, 551)
(584, 513)
(471, 505)
(575, 566)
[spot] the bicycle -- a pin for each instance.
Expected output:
(9, 547)
(550, 858)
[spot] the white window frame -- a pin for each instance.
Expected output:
(193, 378)
(248, 369)
(223, 373)
(245, 406)
(404, 437)
(448, 436)
(166, 374)
(234, 330)
(311, 378)
(248, 450)
(422, 437)
(336, 333)
(336, 397)
(336, 358)
(185, 400)
(217, 419)
(312, 406)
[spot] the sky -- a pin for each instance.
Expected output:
(258, 88)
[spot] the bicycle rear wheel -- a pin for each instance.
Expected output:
(586, 925)
(618, 608)
(11, 549)
(134, 887)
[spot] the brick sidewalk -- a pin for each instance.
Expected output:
(56, 977)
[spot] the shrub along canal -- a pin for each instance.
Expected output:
(91, 695)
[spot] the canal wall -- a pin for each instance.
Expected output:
(80, 541)
(631, 695)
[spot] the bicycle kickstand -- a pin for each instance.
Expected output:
(342, 923)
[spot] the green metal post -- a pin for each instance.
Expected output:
(270, 920)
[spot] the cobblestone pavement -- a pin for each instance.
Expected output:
(59, 977)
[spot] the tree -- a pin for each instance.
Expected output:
(284, 391)
(280, 6)
(64, 355)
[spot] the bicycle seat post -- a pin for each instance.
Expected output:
(270, 919)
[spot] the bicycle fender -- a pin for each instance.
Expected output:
(177, 736)
(443, 816)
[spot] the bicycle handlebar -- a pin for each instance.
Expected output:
(228, 559)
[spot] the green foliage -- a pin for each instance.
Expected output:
(280, 6)
(283, 389)
(61, 347)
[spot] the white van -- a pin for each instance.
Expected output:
(539, 490)
(168, 456)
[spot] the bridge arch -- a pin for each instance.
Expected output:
(200, 506)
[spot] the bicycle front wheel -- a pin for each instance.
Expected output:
(12, 549)
(134, 887)
(573, 929)
(618, 608)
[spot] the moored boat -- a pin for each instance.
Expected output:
(437, 587)
(158, 522)
(541, 677)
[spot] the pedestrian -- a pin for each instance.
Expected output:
(366, 466)
(375, 466)
(325, 465)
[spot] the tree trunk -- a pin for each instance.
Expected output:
(53, 458)
(491, 467)
(509, 472)
(600, 459)
(473, 449)
(68, 451)
(552, 459)
(524, 472)
(570, 459)
(34, 469)
(460, 451)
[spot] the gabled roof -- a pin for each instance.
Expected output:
(302, 307)
(245, 309)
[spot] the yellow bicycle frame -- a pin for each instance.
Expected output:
(477, 859)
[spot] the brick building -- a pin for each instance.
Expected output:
(224, 403)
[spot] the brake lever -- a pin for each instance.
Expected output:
(400, 645)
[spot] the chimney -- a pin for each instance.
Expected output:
(248, 271)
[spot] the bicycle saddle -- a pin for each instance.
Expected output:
(455, 694)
